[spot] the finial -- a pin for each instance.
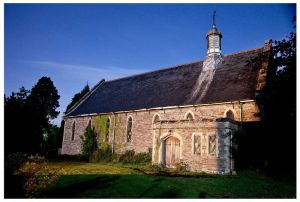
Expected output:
(214, 18)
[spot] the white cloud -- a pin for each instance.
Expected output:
(70, 78)
(86, 72)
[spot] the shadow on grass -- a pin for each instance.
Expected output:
(246, 185)
(78, 185)
(111, 186)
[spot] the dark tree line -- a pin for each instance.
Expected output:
(279, 101)
(270, 145)
(27, 117)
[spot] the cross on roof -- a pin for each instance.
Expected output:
(214, 18)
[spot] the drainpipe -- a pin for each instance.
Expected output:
(113, 141)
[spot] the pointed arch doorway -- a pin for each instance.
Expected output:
(171, 151)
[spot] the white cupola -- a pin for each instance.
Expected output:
(213, 39)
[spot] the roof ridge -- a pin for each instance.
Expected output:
(179, 65)
(243, 51)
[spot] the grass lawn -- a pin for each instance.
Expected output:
(106, 180)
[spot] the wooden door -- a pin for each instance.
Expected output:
(172, 151)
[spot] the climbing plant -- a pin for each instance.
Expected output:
(88, 141)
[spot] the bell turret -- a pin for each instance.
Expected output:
(213, 39)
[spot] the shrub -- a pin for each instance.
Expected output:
(131, 157)
(103, 154)
(13, 183)
(66, 157)
(181, 166)
(37, 175)
(127, 157)
(143, 157)
(13, 162)
(158, 168)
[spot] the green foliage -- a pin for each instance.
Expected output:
(130, 157)
(158, 143)
(35, 181)
(88, 141)
(28, 115)
(99, 125)
(127, 157)
(142, 157)
(52, 140)
(15, 112)
(13, 162)
(181, 166)
(61, 132)
(43, 99)
(278, 104)
(27, 175)
(118, 130)
(101, 155)
(158, 168)
(78, 96)
(65, 157)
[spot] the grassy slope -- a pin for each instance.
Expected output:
(98, 180)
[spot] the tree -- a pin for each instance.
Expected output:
(41, 106)
(88, 141)
(28, 115)
(78, 96)
(279, 100)
(52, 141)
(15, 121)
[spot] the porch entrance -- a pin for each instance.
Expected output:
(172, 152)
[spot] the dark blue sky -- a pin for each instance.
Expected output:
(79, 43)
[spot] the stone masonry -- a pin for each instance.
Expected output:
(149, 136)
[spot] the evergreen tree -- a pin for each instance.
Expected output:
(78, 96)
(28, 115)
(41, 107)
(15, 121)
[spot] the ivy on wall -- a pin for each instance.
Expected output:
(119, 133)
(157, 146)
(99, 125)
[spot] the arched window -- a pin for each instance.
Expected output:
(129, 129)
(107, 130)
(229, 114)
(73, 130)
(156, 119)
(189, 116)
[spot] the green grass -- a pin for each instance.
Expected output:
(105, 180)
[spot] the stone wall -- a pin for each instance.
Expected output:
(146, 135)
(69, 146)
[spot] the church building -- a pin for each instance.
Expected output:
(186, 114)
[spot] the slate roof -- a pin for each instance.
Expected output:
(234, 79)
